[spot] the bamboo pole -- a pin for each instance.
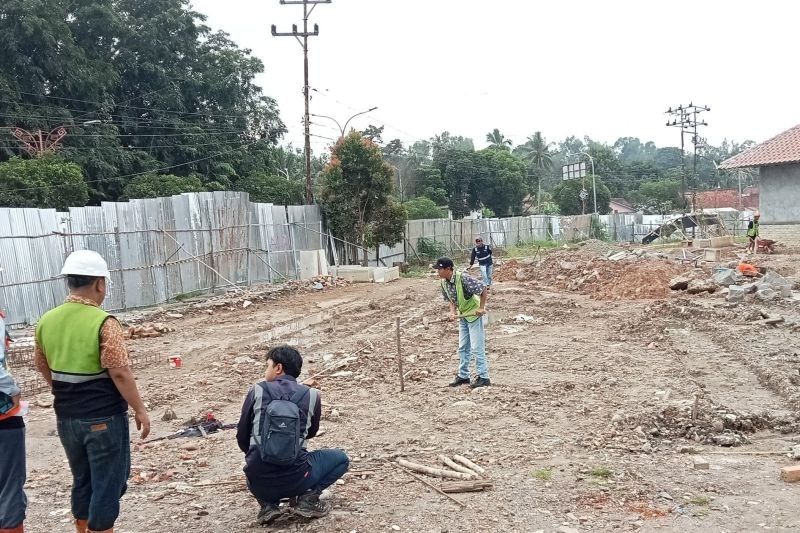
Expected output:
(434, 487)
(435, 472)
(469, 464)
(457, 467)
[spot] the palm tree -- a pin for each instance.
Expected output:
(498, 140)
(536, 151)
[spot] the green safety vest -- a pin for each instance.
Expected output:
(753, 232)
(70, 338)
(465, 305)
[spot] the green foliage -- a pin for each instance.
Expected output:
(659, 197)
(700, 500)
(156, 185)
(168, 91)
(498, 141)
(567, 196)
(502, 188)
(543, 474)
(487, 213)
(272, 189)
(602, 472)
(356, 194)
(46, 182)
(430, 248)
(422, 207)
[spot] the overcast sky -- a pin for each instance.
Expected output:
(606, 69)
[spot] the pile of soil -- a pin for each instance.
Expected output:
(633, 278)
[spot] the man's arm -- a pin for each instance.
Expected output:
(40, 361)
(482, 309)
(315, 418)
(245, 426)
(114, 358)
(472, 257)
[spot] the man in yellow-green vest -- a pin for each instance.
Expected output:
(80, 351)
(752, 233)
(467, 298)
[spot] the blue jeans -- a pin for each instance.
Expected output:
(327, 466)
(486, 272)
(99, 455)
(472, 344)
(12, 478)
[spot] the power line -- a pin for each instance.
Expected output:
(305, 34)
(685, 118)
(112, 104)
(153, 171)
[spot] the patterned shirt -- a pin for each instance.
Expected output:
(470, 285)
(113, 353)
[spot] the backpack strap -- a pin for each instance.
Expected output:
(258, 407)
(313, 396)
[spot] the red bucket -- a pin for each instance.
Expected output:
(175, 361)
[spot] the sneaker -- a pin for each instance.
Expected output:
(460, 381)
(268, 513)
(480, 382)
(310, 506)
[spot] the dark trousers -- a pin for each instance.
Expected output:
(327, 466)
(12, 478)
(99, 455)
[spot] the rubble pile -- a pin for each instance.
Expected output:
(738, 287)
(149, 329)
(620, 275)
(711, 424)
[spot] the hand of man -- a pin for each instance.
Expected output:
(15, 401)
(310, 382)
(142, 423)
(452, 317)
(480, 312)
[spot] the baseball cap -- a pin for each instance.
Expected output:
(85, 263)
(443, 262)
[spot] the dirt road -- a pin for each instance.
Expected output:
(583, 428)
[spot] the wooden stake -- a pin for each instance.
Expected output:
(400, 358)
(466, 486)
(434, 487)
(469, 464)
(457, 467)
(435, 472)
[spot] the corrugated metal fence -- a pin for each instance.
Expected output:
(156, 248)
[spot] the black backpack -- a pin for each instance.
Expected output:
(278, 428)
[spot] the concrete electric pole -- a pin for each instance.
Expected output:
(302, 38)
(685, 118)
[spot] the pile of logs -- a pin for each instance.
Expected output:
(149, 329)
(469, 476)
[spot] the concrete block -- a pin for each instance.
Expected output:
(736, 293)
(725, 277)
(702, 243)
(790, 474)
(712, 254)
(354, 273)
(309, 264)
(721, 242)
(700, 463)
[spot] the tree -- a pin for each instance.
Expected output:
(166, 90)
(536, 151)
(373, 133)
(272, 189)
(443, 142)
(462, 172)
(566, 195)
(158, 185)
(45, 182)
(498, 141)
(502, 188)
(356, 193)
(661, 197)
(423, 207)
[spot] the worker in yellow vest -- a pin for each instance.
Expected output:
(80, 351)
(752, 233)
(467, 298)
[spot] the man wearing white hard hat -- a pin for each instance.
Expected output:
(80, 351)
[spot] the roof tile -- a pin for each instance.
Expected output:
(781, 149)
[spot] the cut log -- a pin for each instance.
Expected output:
(466, 486)
(435, 472)
(469, 464)
(457, 467)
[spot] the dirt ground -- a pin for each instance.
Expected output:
(586, 427)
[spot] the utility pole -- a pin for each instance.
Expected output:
(305, 34)
(686, 118)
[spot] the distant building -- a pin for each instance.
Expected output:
(778, 162)
(620, 205)
(718, 198)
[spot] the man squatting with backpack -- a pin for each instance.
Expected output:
(483, 253)
(278, 415)
(467, 298)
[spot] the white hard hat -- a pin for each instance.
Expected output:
(86, 263)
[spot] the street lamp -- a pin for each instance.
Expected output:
(342, 130)
(594, 188)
